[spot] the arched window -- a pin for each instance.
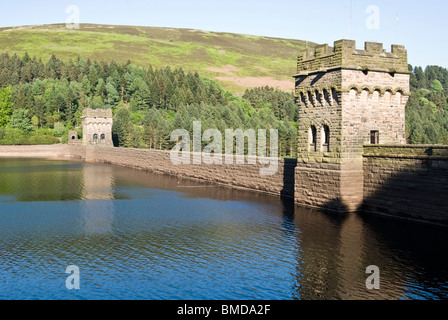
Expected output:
(95, 137)
(325, 138)
(313, 138)
(327, 97)
(310, 98)
(334, 96)
(103, 137)
(73, 138)
(398, 97)
(302, 98)
(318, 97)
(353, 95)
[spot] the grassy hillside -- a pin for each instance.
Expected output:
(236, 61)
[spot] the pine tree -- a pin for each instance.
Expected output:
(5, 105)
(20, 120)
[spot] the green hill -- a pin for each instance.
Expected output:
(234, 60)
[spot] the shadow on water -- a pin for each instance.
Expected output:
(334, 249)
(408, 216)
(418, 251)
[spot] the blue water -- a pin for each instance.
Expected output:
(137, 235)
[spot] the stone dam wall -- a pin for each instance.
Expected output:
(244, 176)
(409, 182)
(41, 151)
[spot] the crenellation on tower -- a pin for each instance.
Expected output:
(344, 54)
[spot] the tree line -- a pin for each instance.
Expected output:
(40, 102)
(427, 108)
(48, 98)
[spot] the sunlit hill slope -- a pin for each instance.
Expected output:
(236, 61)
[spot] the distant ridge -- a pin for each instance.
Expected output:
(236, 61)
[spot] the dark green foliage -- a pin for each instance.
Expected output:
(280, 102)
(427, 109)
(5, 106)
(56, 90)
(20, 120)
(124, 133)
(148, 103)
(157, 129)
(12, 136)
(221, 118)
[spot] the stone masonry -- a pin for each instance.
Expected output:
(407, 181)
(347, 98)
(97, 127)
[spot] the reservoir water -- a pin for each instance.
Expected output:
(139, 235)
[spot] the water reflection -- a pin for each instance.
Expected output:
(40, 180)
(335, 250)
(139, 235)
(98, 183)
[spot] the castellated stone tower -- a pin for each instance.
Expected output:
(97, 127)
(347, 98)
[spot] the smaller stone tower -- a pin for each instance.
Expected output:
(73, 137)
(97, 127)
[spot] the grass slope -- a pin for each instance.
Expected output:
(236, 61)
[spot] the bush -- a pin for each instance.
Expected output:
(13, 136)
(33, 140)
(59, 129)
(44, 132)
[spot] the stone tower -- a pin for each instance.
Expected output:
(97, 127)
(347, 98)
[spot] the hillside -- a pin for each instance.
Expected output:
(236, 61)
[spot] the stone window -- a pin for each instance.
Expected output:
(374, 137)
(302, 98)
(318, 97)
(398, 97)
(334, 96)
(325, 138)
(387, 96)
(310, 98)
(95, 137)
(313, 138)
(103, 137)
(327, 97)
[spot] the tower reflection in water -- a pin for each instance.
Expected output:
(333, 251)
(98, 205)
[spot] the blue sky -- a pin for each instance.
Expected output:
(421, 25)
